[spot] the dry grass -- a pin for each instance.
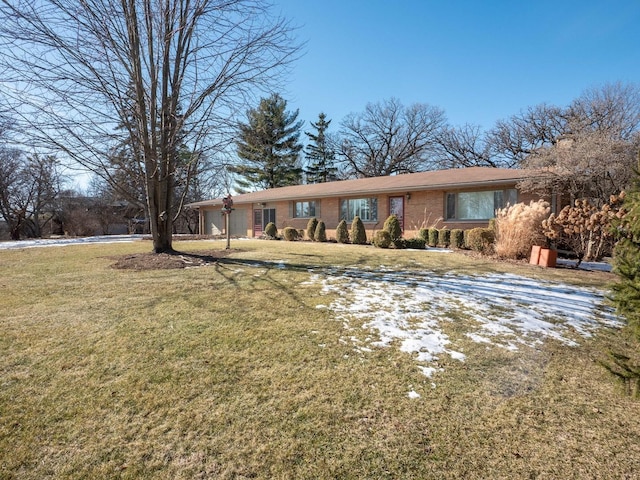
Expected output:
(230, 371)
(519, 227)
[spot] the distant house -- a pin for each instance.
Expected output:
(458, 198)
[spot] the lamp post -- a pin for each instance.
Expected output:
(227, 204)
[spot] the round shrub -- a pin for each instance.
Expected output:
(321, 232)
(444, 237)
(342, 232)
(392, 225)
(432, 241)
(481, 240)
(290, 234)
(358, 233)
(300, 233)
(382, 239)
(271, 230)
(457, 238)
(311, 228)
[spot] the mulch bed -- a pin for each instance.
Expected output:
(167, 261)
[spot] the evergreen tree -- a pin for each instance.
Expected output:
(269, 147)
(626, 260)
(320, 157)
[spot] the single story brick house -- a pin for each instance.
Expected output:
(458, 198)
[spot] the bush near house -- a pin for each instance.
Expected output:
(457, 238)
(382, 239)
(271, 231)
(392, 225)
(584, 228)
(432, 240)
(342, 232)
(417, 243)
(519, 227)
(311, 228)
(480, 240)
(424, 234)
(320, 234)
(290, 234)
(358, 233)
(444, 237)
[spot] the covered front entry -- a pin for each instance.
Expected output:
(261, 217)
(396, 207)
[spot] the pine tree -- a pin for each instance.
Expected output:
(319, 155)
(626, 260)
(269, 147)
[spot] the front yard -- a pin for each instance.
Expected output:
(304, 360)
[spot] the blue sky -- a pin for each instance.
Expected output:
(480, 61)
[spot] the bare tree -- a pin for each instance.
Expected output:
(465, 146)
(28, 190)
(388, 138)
(166, 72)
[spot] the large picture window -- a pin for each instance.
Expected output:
(479, 205)
(304, 209)
(365, 208)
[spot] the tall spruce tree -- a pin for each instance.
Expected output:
(269, 147)
(319, 155)
(626, 261)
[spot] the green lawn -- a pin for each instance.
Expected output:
(233, 371)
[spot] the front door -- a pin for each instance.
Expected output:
(396, 207)
(257, 222)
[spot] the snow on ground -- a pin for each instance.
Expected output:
(506, 310)
(61, 242)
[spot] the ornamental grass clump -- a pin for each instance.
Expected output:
(342, 232)
(519, 227)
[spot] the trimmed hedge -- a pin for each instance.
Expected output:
(320, 234)
(432, 239)
(342, 232)
(481, 240)
(457, 238)
(311, 228)
(358, 233)
(290, 234)
(392, 225)
(271, 230)
(382, 239)
(444, 237)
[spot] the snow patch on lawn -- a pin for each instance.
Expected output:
(506, 310)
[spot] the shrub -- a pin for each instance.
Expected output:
(301, 233)
(321, 232)
(392, 225)
(382, 239)
(519, 227)
(584, 228)
(417, 243)
(311, 228)
(342, 232)
(358, 233)
(271, 231)
(290, 234)
(424, 234)
(480, 240)
(432, 241)
(457, 238)
(444, 237)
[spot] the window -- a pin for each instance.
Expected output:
(304, 209)
(478, 205)
(365, 208)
